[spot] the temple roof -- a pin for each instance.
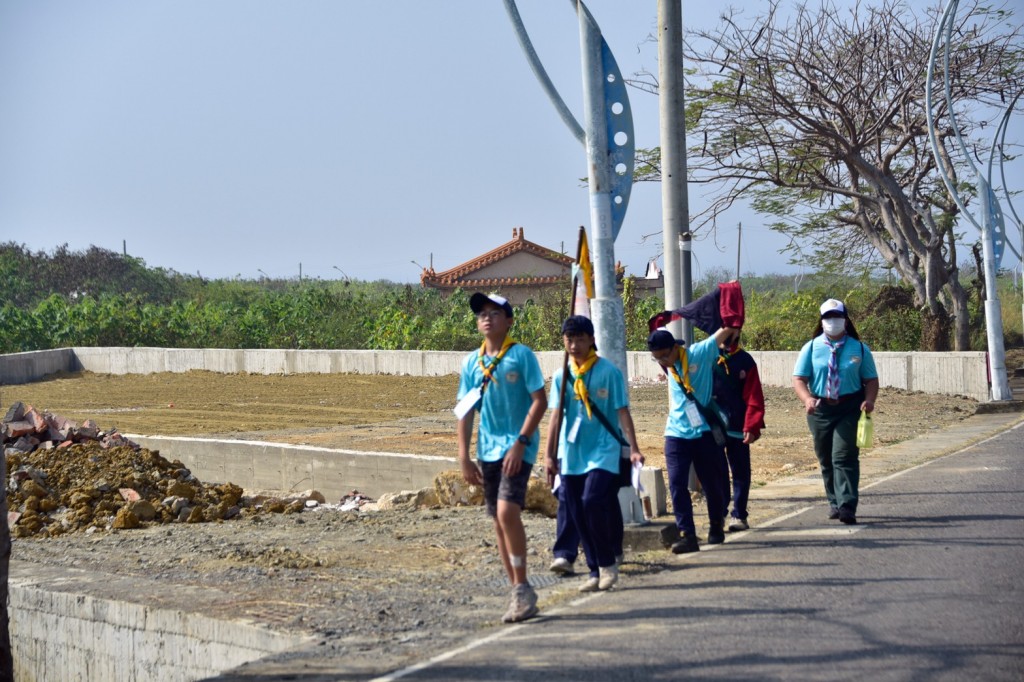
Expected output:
(462, 275)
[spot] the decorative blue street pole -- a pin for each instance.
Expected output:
(993, 237)
(607, 134)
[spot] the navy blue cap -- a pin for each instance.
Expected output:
(660, 340)
(577, 324)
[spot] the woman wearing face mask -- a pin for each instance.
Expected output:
(836, 379)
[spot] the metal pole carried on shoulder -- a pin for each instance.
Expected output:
(565, 359)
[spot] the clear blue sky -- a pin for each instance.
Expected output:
(236, 136)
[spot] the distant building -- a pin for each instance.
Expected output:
(519, 270)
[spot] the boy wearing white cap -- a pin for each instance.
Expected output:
(502, 381)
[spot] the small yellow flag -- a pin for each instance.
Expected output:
(586, 268)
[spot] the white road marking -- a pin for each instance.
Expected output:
(500, 634)
(813, 532)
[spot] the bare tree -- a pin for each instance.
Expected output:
(817, 118)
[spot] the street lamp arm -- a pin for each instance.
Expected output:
(538, 70)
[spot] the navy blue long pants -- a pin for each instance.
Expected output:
(567, 540)
(588, 500)
(738, 454)
(708, 460)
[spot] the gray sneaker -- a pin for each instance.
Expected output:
(523, 606)
(590, 585)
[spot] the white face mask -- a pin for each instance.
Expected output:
(833, 326)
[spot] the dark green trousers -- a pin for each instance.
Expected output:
(834, 430)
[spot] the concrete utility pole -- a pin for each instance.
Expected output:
(676, 237)
(739, 245)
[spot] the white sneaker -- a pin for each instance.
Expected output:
(523, 606)
(562, 566)
(736, 525)
(591, 585)
(609, 576)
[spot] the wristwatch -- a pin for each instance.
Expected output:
(525, 440)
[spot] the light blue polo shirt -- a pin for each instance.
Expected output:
(594, 447)
(505, 403)
(856, 364)
(702, 357)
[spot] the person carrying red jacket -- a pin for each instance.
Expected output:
(736, 387)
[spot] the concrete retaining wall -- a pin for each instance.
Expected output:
(76, 625)
(258, 465)
(955, 373)
(23, 368)
(261, 465)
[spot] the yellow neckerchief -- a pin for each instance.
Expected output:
(579, 387)
(723, 357)
(685, 380)
(488, 368)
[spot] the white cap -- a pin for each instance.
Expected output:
(478, 300)
(832, 306)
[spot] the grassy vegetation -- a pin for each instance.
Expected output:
(98, 298)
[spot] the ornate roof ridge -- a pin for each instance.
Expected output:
(518, 244)
(494, 281)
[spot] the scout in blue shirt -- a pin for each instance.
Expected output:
(836, 379)
(584, 451)
(688, 432)
(502, 381)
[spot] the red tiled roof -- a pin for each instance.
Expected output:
(457, 276)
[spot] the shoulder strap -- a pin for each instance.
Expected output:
(607, 424)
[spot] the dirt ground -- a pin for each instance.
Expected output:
(406, 414)
(393, 583)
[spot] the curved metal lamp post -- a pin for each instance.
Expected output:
(991, 226)
(607, 134)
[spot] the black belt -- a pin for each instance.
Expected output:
(840, 399)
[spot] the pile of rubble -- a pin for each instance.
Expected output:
(64, 477)
(25, 429)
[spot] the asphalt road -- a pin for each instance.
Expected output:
(926, 587)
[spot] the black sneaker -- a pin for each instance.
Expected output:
(847, 516)
(833, 513)
(716, 533)
(686, 544)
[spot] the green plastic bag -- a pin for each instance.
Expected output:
(865, 431)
